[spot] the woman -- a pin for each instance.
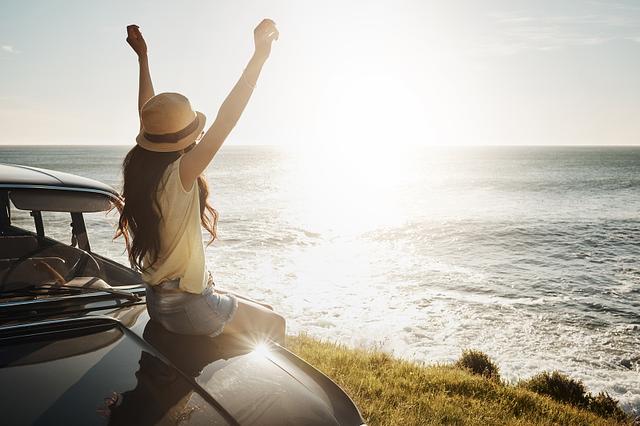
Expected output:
(165, 203)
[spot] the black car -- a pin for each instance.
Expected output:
(77, 346)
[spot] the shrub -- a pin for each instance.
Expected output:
(477, 362)
(603, 405)
(559, 387)
(562, 388)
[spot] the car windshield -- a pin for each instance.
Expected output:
(47, 264)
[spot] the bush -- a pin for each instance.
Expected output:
(477, 362)
(603, 405)
(562, 388)
(559, 387)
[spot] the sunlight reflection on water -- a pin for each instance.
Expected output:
(529, 254)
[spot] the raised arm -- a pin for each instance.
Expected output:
(196, 161)
(137, 43)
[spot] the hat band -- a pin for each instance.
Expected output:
(173, 137)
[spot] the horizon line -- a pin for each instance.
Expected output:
(339, 145)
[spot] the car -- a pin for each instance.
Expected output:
(77, 346)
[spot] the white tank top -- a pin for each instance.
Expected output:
(181, 246)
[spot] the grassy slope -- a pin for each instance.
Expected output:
(389, 391)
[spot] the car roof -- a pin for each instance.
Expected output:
(14, 176)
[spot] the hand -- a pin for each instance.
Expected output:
(263, 36)
(136, 41)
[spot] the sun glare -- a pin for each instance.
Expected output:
(349, 188)
(262, 350)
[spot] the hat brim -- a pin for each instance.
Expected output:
(173, 146)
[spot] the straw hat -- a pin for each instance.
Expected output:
(169, 123)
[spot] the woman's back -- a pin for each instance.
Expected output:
(181, 248)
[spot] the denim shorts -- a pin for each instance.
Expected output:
(189, 313)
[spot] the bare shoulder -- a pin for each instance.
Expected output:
(187, 180)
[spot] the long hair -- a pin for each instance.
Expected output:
(140, 213)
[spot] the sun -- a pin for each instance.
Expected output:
(348, 188)
(262, 349)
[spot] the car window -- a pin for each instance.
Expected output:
(101, 228)
(22, 219)
(57, 225)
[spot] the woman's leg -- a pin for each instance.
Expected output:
(255, 321)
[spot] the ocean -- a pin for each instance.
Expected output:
(531, 254)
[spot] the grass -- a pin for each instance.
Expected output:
(390, 391)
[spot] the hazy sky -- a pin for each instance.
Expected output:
(365, 73)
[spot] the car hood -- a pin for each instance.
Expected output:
(95, 370)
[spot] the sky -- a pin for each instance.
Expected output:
(367, 74)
